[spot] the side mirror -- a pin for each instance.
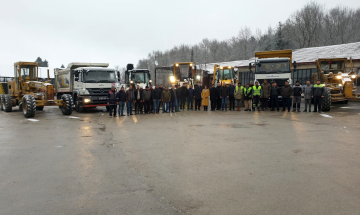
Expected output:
(294, 65)
(250, 66)
(76, 78)
(118, 74)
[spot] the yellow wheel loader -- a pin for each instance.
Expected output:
(31, 95)
(224, 74)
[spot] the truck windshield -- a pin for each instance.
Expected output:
(96, 76)
(225, 74)
(140, 77)
(328, 66)
(273, 67)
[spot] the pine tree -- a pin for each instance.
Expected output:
(281, 42)
(62, 66)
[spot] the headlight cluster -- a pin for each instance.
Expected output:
(87, 100)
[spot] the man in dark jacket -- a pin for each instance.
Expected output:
(296, 93)
(318, 95)
(138, 100)
(190, 98)
(218, 97)
(112, 101)
(213, 97)
(231, 96)
(151, 89)
(197, 94)
(184, 94)
(156, 95)
(247, 97)
(172, 99)
(286, 92)
(147, 99)
(121, 96)
(265, 87)
(161, 101)
(129, 100)
(275, 92)
(224, 96)
(178, 98)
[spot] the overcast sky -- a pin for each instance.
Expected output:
(120, 32)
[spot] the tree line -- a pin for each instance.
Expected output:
(312, 25)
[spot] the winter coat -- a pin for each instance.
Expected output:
(121, 96)
(136, 95)
(156, 94)
(286, 91)
(178, 93)
(224, 92)
(173, 94)
(231, 90)
(190, 93)
(275, 91)
(213, 93)
(184, 92)
(247, 93)
(146, 95)
(166, 96)
(130, 95)
(218, 88)
(318, 90)
(297, 91)
(265, 90)
(239, 93)
(197, 92)
(205, 97)
(308, 91)
(111, 98)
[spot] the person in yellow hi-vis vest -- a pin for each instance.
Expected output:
(257, 92)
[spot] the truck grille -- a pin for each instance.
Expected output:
(98, 91)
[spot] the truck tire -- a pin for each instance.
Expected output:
(7, 103)
(67, 99)
(29, 106)
(326, 103)
(40, 108)
(2, 105)
(78, 107)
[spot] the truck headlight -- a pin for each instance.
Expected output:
(338, 77)
(150, 81)
(172, 79)
(198, 77)
(353, 76)
(131, 82)
(87, 100)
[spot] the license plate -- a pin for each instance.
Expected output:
(102, 98)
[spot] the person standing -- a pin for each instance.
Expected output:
(257, 92)
(238, 91)
(178, 98)
(265, 87)
(247, 97)
(213, 97)
(151, 89)
(296, 93)
(173, 99)
(112, 101)
(191, 97)
(138, 100)
(156, 99)
(197, 95)
(318, 95)
(275, 92)
(286, 92)
(121, 96)
(161, 102)
(184, 94)
(205, 98)
(218, 98)
(129, 100)
(308, 92)
(232, 96)
(147, 100)
(224, 96)
(166, 97)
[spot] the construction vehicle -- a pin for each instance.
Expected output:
(338, 83)
(139, 77)
(184, 73)
(31, 95)
(87, 83)
(224, 74)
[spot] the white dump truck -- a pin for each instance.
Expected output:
(88, 83)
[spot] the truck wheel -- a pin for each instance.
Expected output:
(66, 109)
(78, 107)
(326, 103)
(29, 106)
(2, 105)
(7, 103)
(40, 108)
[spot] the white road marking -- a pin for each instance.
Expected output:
(327, 116)
(33, 120)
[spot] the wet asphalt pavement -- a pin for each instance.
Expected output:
(183, 163)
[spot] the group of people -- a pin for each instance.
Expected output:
(149, 100)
